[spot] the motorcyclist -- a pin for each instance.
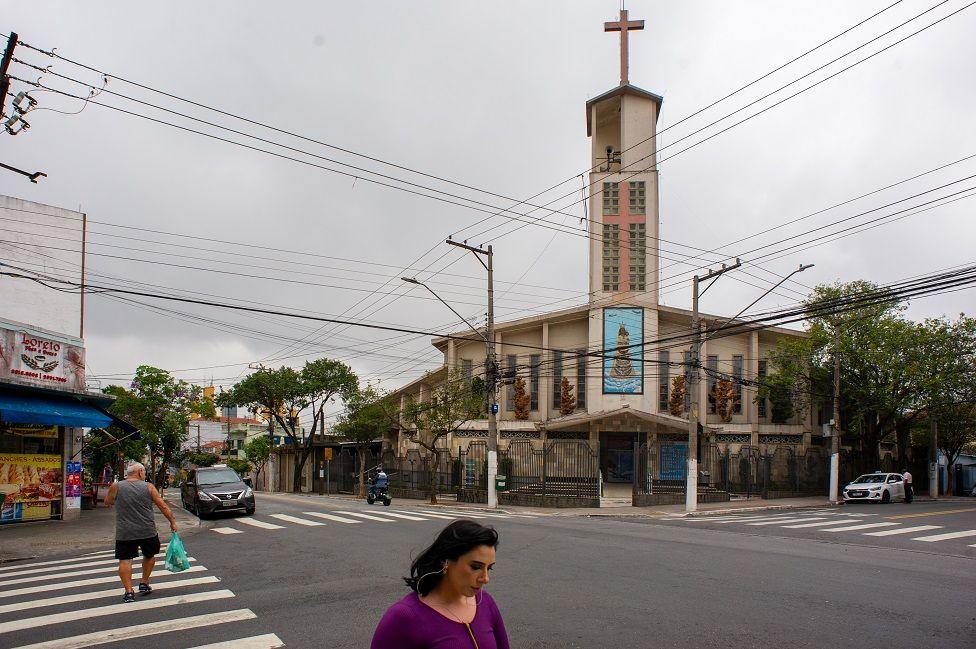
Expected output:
(381, 480)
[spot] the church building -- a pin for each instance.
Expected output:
(625, 401)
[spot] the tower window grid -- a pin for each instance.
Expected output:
(611, 199)
(637, 197)
(611, 257)
(638, 256)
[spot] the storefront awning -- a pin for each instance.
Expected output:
(51, 411)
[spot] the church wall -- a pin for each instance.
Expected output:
(638, 122)
(510, 346)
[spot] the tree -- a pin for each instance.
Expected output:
(370, 414)
(726, 399)
(285, 393)
(110, 447)
(160, 407)
(676, 402)
(521, 400)
(242, 467)
(258, 452)
(202, 459)
(451, 405)
(567, 402)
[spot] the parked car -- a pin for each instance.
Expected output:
(216, 488)
(876, 488)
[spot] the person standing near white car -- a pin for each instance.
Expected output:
(909, 492)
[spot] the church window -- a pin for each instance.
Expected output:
(638, 197)
(737, 380)
(664, 370)
(510, 374)
(557, 379)
(762, 378)
(688, 387)
(534, 362)
(712, 365)
(611, 257)
(638, 256)
(611, 198)
(581, 379)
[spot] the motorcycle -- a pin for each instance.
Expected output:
(381, 493)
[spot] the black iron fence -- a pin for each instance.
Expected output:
(561, 468)
(662, 467)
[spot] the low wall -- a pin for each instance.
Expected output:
(529, 500)
(474, 496)
(651, 500)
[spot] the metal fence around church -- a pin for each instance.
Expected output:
(561, 468)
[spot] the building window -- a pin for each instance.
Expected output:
(664, 370)
(638, 255)
(611, 257)
(466, 368)
(688, 386)
(581, 379)
(737, 380)
(762, 378)
(638, 197)
(534, 361)
(510, 374)
(711, 365)
(557, 379)
(611, 199)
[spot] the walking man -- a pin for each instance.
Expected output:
(135, 529)
(909, 492)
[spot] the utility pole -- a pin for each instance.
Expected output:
(933, 456)
(691, 478)
(8, 54)
(835, 425)
(491, 370)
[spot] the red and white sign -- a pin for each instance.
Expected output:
(29, 358)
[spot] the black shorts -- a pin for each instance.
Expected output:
(130, 549)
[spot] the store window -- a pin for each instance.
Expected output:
(31, 477)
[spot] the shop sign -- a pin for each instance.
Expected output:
(28, 484)
(28, 430)
(72, 485)
(35, 360)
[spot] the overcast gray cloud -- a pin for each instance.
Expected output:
(492, 95)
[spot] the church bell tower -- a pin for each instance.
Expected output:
(621, 124)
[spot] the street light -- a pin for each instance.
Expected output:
(414, 280)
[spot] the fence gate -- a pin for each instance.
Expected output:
(570, 468)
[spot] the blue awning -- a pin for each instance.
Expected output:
(50, 411)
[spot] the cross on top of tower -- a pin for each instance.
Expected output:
(623, 26)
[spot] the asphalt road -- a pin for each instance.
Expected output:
(559, 581)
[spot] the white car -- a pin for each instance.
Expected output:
(875, 488)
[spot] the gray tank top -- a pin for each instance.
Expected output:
(134, 511)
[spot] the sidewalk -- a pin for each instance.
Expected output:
(95, 530)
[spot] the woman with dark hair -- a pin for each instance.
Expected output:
(449, 607)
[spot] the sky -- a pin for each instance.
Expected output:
(491, 96)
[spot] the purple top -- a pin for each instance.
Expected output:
(411, 624)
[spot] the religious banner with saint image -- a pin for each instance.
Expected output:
(623, 351)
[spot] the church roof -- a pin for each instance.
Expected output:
(577, 419)
(627, 89)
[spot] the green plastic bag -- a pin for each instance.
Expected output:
(176, 559)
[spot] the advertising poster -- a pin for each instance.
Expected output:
(72, 486)
(28, 485)
(623, 360)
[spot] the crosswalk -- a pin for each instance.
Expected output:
(349, 517)
(834, 522)
(76, 602)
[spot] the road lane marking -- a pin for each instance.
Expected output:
(296, 519)
(37, 571)
(948, 511)
(786, 520)
(904, 530)
(431, 515)
(267, 641)
(78, 583)
(820, 524)
(369, 517)
(851, 528)
(482, 514)
(256, 523)
(142, 630)
(331, 517)
(403, 516)
(91, 556)
(111, 609)
(226, 530)
(451, 514)
(946, 536)
(84, 597)
(75, 573)
(749, 519)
